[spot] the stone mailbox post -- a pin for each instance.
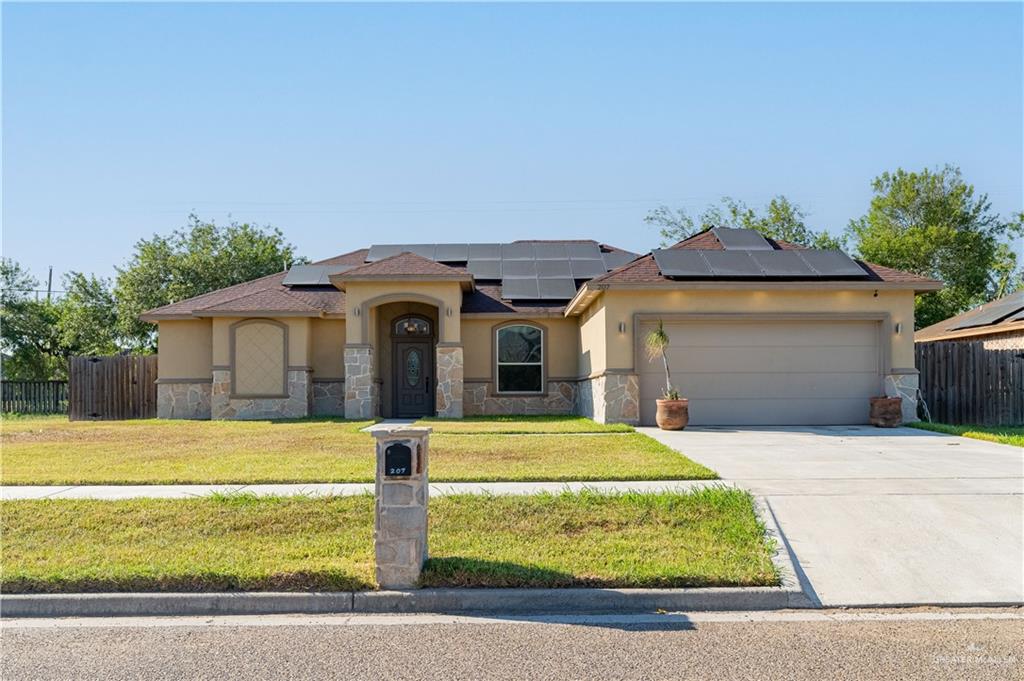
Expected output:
(400, 521)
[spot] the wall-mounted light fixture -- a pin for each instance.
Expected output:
(357, 311)
(898, 328)
(876, 294)
(448, 311)
(622, 327)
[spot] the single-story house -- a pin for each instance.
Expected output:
(762, 332)
(998, 325)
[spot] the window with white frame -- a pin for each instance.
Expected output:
(520, 359)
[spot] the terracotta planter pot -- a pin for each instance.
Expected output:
(673, 414)
(886, 412)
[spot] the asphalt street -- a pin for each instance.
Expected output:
(921, 644)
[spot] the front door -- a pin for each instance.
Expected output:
(413, 371)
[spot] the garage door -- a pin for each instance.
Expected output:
(768, 372)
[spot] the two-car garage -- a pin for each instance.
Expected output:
(765, 371)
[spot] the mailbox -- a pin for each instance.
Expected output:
(402, 493)
(397, 461)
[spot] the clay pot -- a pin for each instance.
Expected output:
(673, 414)
(886, 412)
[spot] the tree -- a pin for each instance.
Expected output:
(932, 224)
(781, 219)
(39, 336)
(200, 258)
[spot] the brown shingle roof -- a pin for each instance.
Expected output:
(326, 299)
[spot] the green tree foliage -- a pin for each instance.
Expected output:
(200, 258)
(38, 336)
(931, 223)
(781, 219)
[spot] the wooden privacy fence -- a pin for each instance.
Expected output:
(963, 383)
(34, 397)
(112, 388)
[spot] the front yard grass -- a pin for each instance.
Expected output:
(1007, 435)
(708, 537)
(519, 424)
(59, 452)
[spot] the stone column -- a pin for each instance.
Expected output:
(903, 383)
(359, 402)
(450, 375)
(400, 518)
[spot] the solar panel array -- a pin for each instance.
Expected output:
(756, 264)
(527, 270)
(1010, 307)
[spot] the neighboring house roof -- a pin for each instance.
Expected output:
(999, 316)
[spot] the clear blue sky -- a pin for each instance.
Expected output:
(350, 124)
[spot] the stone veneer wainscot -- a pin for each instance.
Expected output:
(296, 405)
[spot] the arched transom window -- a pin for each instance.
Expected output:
(412, 326)
(520, 359)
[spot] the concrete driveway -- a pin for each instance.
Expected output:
(881, 517)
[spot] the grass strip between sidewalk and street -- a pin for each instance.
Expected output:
(1006, 435)
(150, 452)
(707, 537)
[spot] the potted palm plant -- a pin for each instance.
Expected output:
(673, 411)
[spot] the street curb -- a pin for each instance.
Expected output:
(496, 601)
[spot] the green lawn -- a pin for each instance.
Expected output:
(50, 451)
(1007, 435)
(519, 424)
(708, 537)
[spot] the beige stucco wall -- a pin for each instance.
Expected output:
(327, 348)
(593, 357)
(561, 345)
(448, 293)
(185, 349)
(299, 339)
(621, 305)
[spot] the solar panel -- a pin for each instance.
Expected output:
(782, 264)
(678, 262)
(616, 259)
(586, 250)
(485, 251)
(306, 275)
(732, 264)
(545, 251)
(485, 269)
(560, 288)
(831, 263)
(519, 268)
(587, 269)
(451, 253)
(517, 251)
(381, 251)
(520, 288)
(553, 268)
(422, 250)
(313, 275)
(741, 239)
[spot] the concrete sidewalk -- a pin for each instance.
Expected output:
(113, 492)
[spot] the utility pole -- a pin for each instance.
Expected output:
(49, 284)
